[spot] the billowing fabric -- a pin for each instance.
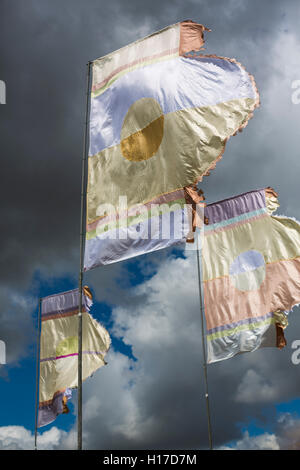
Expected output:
(59, 350)
(160, 118)
(136, 231)
(251, 273)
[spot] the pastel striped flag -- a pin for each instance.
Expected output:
(161, 114)
(59, 350)
(251, 274)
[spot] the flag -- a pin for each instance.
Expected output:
(59, 350)
(251, 273)
(161, 113)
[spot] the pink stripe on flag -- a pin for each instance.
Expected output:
(69, 355)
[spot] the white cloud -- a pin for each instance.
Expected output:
(112, 386)
(289, 431)
(170, 297)
(286, 436)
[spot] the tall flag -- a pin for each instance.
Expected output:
(59, 350)
(251, 273)
(161, 113)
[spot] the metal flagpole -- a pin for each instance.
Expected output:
(203, 347)
(82, 241)
(37, 374)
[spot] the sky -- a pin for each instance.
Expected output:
(151, 393)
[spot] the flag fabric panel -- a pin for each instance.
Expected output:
(59, 350)
(141, 229)
(161, 113)
(251, 274)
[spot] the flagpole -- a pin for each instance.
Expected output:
(203, 347)
(82, 242)
(37, 374)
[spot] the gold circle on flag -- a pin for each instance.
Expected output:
(142, 130)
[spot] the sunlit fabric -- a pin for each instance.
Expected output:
(59, 350)
(251, 273)
(161, 114)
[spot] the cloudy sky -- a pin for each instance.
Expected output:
(151, 393)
